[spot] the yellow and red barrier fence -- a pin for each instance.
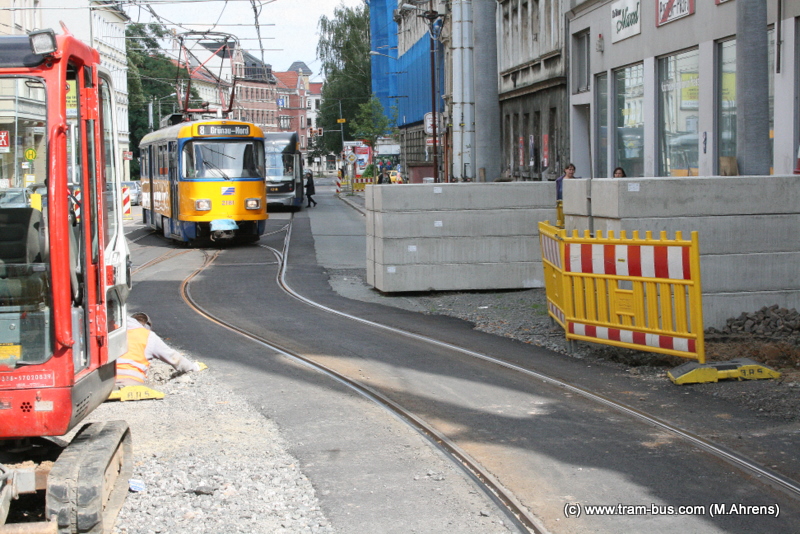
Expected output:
(636, 293)
(632, 292)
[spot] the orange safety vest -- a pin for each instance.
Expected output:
(133, 364)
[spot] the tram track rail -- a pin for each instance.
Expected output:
(517, 512)
(504, 499)
(784, 484)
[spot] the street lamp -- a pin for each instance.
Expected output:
(159, 107)
(431, 16)
(374, 53)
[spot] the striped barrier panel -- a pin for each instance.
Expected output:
(359, 183)
(126, 203)
(77, 204)
(637, 293)
(552, 251)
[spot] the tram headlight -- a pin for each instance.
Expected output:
(252, 203)
(202, 204)
(43, 42)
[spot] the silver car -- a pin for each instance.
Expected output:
(135, 191)
(15, 197)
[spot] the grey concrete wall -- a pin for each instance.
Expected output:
(466, 236)
(748, 227)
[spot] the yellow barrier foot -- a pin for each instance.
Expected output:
(740, 369)
(135, 393)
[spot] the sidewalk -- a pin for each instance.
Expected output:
(354, 200)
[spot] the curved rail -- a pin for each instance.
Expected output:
(518, 514)
(767, 476)
(504, 499)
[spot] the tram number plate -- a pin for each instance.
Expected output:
(227, 202)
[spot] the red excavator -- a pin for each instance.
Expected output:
(64, 280)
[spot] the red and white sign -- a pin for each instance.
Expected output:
(545, 151)
(127, 155)
(5, 145)
(669, 10)
(362, 158)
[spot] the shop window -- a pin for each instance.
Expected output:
(629, 119)
(601, 123)
(679, 112)
(726, 105)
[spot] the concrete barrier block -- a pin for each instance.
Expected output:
(471, 196)
(452, 277)
(750, 272)
(680, 197)
(465, 223)
(415, 250)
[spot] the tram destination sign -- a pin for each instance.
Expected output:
(223, 129)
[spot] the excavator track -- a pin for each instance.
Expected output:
(89, 481)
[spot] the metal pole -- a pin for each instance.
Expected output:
(433, 108)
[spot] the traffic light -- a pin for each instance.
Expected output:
(319, 132)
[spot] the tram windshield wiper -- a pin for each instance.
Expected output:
(215, 168)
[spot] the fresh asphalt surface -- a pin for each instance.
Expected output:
(373, 474)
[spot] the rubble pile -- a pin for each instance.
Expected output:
(770, 321)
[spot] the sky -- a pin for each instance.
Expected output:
(289, 28)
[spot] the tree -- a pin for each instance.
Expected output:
(371, 122)
(343, 49)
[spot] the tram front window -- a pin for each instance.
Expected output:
(227, 160)
(25, 320)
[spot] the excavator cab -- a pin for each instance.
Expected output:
(64, 280)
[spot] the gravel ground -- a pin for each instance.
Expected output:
(195, 452)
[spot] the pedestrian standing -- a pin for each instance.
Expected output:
(569, 172)
(310, 188)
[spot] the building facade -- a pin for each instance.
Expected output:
(256, 92)
(532, 81)
(101, 25)
(654, 91)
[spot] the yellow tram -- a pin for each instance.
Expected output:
(205, 180)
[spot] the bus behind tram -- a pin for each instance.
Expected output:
(284, 169)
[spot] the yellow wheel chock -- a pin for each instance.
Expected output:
(740, 369)
(135, 393)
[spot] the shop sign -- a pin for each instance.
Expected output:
(669, 10)
(625, 19)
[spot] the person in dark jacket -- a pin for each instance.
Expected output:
(310, 188)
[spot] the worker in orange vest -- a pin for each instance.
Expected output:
(143, 346)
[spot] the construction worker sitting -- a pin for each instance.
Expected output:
(143, 346)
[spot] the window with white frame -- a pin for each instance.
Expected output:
(582, 72)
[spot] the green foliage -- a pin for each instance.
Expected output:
(343, 49)
(371, 122)
(369, 171)
(152, 76)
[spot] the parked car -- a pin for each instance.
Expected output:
(135, 190)
(15, 197)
